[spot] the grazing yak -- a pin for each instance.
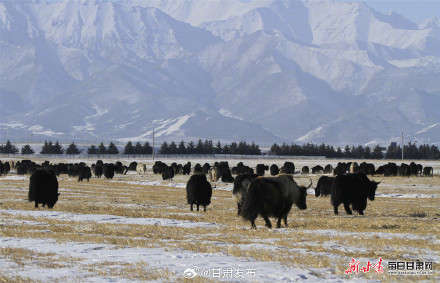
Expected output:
(43, 188)
(317, 169)
(352, 189)
(141, 168)
(99, 168)
(261, 168)
(404, 170)
(341, 168)
(108, 170)
(198, 191)
(324, 186)
(186, 169)
(305, 170)
(84, 172)
(198, 169)
(168, 173)
(288, 168)
(428, 171)
(214, 174)
(239, 190)
(354, 167)
(328, 169)
(272, 197)
(274, 170)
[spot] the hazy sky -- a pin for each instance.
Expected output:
(415, 10)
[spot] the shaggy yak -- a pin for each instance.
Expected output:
(198, 191)
(272, 197)
(324, 186)
(352, 189)
(241, 183)
(43, 188)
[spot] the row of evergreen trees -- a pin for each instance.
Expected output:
(411, 151)
(207, 147)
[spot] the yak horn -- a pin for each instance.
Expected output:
(310, 183)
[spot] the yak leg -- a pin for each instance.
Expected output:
(347, 208)
(361, 212)
(253, 226)
(36, 205)
(239, 208)
(204, 208)
(285, 221)
(191, 207)
(279, 222)
(266, 219)
(197, 207)
(335, 208)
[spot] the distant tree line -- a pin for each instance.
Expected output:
(207, 147)
(410, 151)
(102, 149)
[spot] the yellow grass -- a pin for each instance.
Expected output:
(315, 238)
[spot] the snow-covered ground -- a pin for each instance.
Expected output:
(87, 257)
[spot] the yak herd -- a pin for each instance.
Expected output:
(254, 194)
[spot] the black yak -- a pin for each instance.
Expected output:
(239, 190)
(352, 189)
(272, 197)
(305, 170)
(261, 168)
(84, 173)
(324, 186)
(274, 170)
(288, 168)
(328, 169)
(186, 170)
(198, 169)
(108, 170)
(428, 171)
(341, 168)
(404, 170)
(317, 169)
(168, 173)
(226, 175)
(43, 188)
(198, 191)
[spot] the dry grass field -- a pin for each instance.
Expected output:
(139, 228)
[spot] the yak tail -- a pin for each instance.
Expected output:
(31, 193)
(251, 202)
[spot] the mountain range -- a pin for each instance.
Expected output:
(264, 71)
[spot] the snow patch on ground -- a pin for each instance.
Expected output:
(110, 219)
(175, 261)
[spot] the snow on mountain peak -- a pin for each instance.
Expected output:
(254, 70)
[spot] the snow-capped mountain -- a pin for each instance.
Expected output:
(263, 71)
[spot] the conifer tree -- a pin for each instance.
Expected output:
(102, 149)
(27, 149)
(72, 149)
(129, 149)
(8, 148)
(92, 150)
(112, 149)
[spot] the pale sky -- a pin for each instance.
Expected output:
(415, 10)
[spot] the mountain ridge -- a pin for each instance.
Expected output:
(263, 71)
